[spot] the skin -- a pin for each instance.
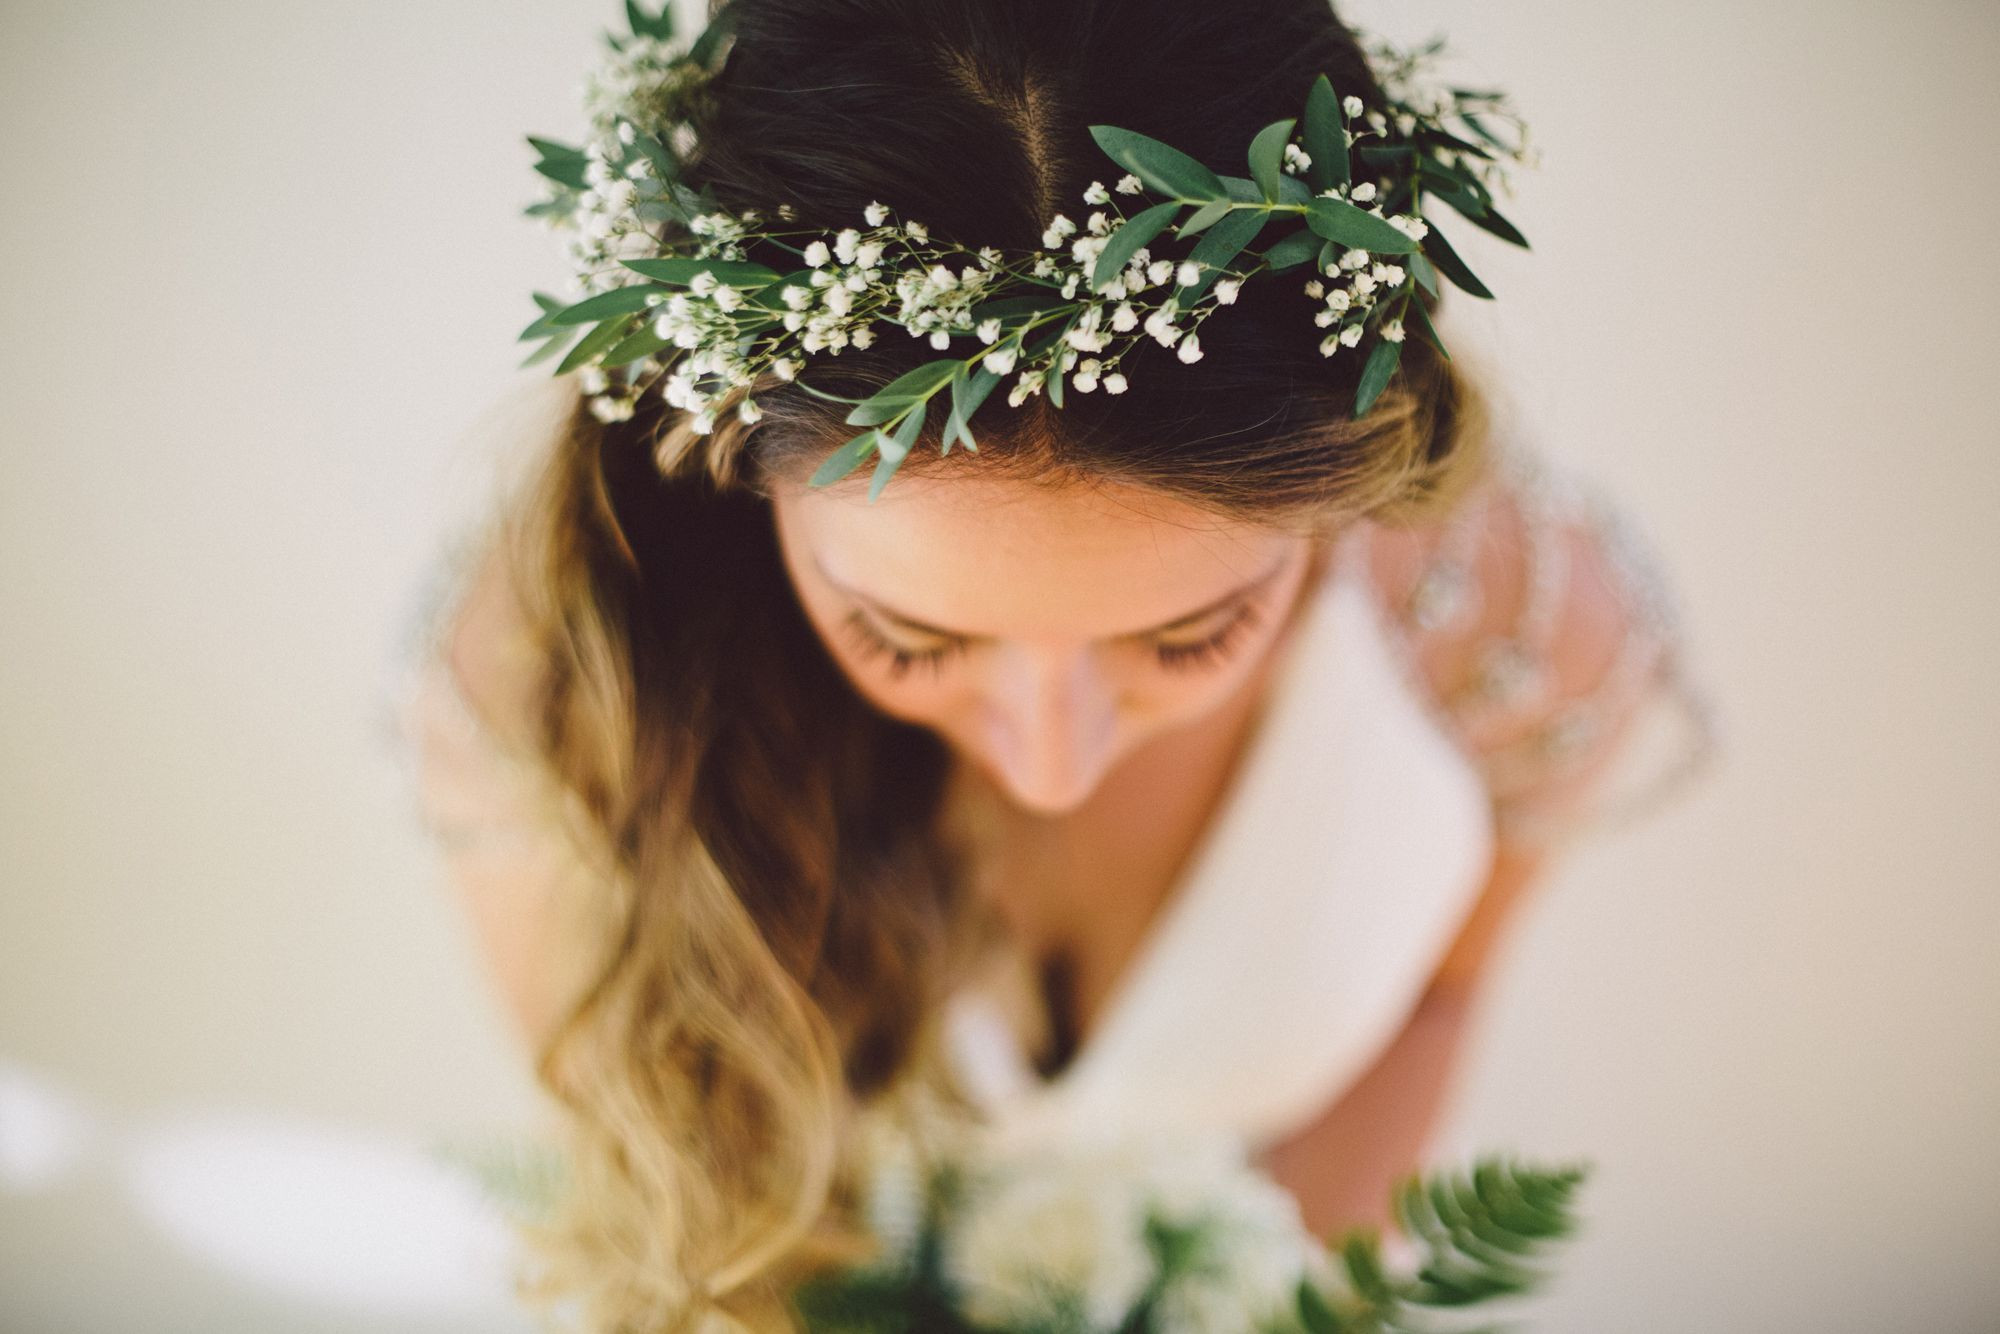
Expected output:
(1070, 622)
(1052, 693)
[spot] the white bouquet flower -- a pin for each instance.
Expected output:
(1163, 1236)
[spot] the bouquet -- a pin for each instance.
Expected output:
(1158, 1236)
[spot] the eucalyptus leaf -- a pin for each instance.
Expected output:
(1293, 250)
(1202, 218)
(1267, 157)
(1424, 273)
(594, 342)
(1338, 220)
(886, 464)
(1490, 220)
(617, 301)
(845, 459)
(1385, 155)
(1160, 167)
(681, 272)
(1439, 252)
(564, 172)
(968, 391)
(1382, 362)
(1127, 240)
(889, 402)
(1219, 247)
(1325, 136)
(555, 344)
(640, 343)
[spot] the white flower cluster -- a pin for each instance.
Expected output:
(1058, 1233)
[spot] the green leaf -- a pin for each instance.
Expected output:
(895, 448)
(889, 402)
(1361, 1254)
(1426, 275)
(545, 323)
(1219, 247)
(1127, 240)
(617, 301)
(550, 348)
(1439, 252)
(641, 342)
(682, 271)
(1202, 218)
(564, 173)
(1267, 157)
(594, 342)
(1316, 1313)
(968, 391)
(1160, 167)
(1325, 137)
(1489, 219)
(1293, 250)
(1421, 318)
(1243, 190)
(845, 459)
(1338, 220)
(1382, 362)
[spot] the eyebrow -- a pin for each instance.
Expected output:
(925, 627)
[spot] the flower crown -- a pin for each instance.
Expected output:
(666, 294)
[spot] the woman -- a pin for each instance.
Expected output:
(1172, 760)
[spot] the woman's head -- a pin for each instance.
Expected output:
(782, 914)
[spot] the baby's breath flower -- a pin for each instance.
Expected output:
(592, 379)
(940, 340)
(1226, 290)
(845, 243)
(704, 421)
(817, 254)
(1059, 230)
(1410, 225)
(1128, 184)
(1351, 106)
(876, 214)
(1085, 379)
(917, 231)
(1393, 331)
(1000, 360)
(1315, 289)
(1362, 192)
(785, 369)
(1096, 194)
(1124, 319)
(1159, 271)
(748, 411)
(1114, 383)
(1188, 274)
(1350, 335)
(1190, 349)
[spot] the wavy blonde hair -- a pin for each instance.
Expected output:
(779, 908)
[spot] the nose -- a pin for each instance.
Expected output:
(1050, 725)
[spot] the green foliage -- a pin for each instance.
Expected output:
(1165, 170)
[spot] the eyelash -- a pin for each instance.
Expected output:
(1174, 657)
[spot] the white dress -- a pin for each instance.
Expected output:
(1350, 848)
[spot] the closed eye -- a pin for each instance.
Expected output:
(1207, 652)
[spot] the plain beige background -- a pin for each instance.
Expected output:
(262, 268)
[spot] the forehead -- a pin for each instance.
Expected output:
(1012, 559)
